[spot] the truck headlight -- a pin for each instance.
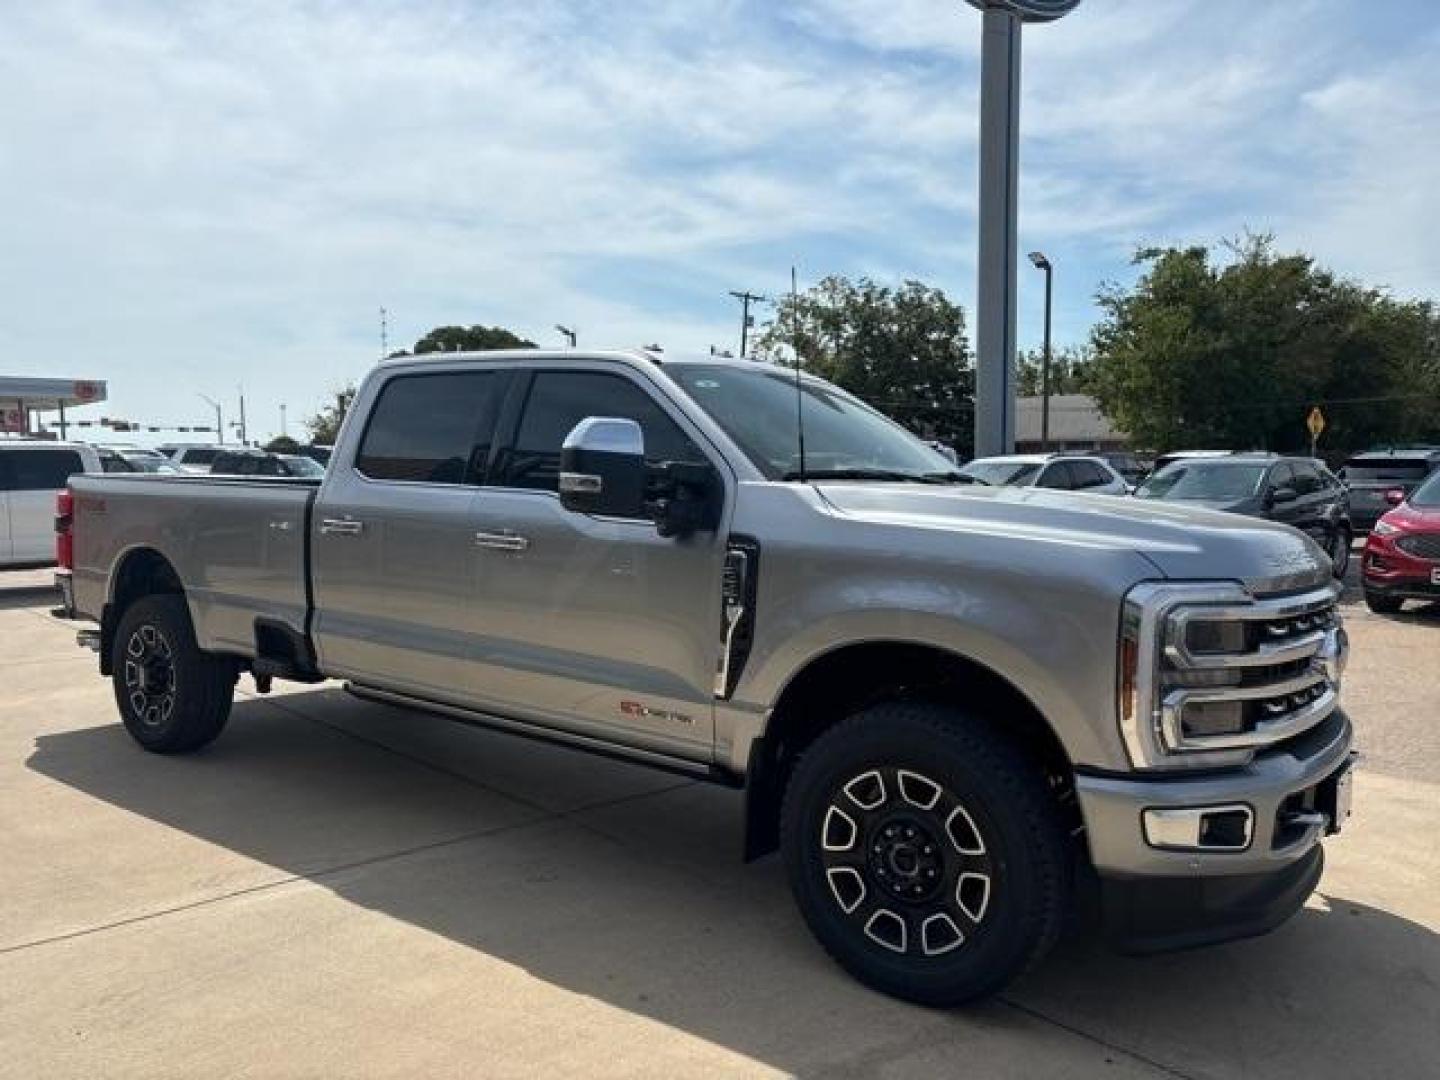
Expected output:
(1209, 674)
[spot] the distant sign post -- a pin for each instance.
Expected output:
(1316, 423)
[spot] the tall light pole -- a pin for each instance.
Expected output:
(746, 299)
(1042, 263)
(566, 333)
(999, 170)
(219, 417)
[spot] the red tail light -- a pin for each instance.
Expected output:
(64, 526)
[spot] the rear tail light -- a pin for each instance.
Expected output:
(64, 529)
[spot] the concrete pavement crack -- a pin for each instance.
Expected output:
(1134, 1055)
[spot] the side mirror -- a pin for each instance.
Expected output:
(1395, 496)
(1283, 495)
(602, 468)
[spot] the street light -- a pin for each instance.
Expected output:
(1042, 263)
(567, 333)
(999, 169)
(219, 417)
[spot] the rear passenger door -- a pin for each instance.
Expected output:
(393, 534)
(595, 624)
(36, 474)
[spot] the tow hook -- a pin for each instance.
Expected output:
(88, 639)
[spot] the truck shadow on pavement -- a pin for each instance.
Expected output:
(16, 597)
(626, 885)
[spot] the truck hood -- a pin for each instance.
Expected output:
(1182, 542)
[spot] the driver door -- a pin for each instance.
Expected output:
(598, 625)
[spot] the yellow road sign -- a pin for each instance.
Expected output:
(1315, 422)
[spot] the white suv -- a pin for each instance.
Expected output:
(31, 473)
(1063, 472)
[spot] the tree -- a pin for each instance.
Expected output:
(1234, 354)
(1069, 370)
(902, 350)
(324, 426)
(282, 444)
(468, 339)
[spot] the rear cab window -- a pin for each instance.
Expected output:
(432, 428)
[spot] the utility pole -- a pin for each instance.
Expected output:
(285, 431)
(384, 333)
(244, 432)
(566, 333)
(746, 299)
(999, 172)
(1038, 259)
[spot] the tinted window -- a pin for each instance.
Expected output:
(1001, 472)
(199, 455)
(1282, 476)
(432, 428)
(1057, 475)
(1089, 475)
(41, 470)
(560, 400)
(1307, 480)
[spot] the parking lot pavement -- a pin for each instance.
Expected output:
(342, 888)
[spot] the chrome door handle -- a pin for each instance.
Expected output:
(501, 541)
(341, 527)
(280, 526)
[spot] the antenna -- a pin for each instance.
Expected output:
(799, 393)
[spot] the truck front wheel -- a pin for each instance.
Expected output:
(925, 852)
(172, 697)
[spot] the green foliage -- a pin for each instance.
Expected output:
(1069, 370)
(1232, 355)
(902, 350)
(282, 444)
(325, 424)
(468, 339)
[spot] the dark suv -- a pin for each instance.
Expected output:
(1370, 475)
(1297, 491)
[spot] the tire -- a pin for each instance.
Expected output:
(1339, 552)
(1382, 605)
(172, 697)
(991, 845)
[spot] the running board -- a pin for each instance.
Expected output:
(653, 759)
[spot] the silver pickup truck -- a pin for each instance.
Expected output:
(962, 713)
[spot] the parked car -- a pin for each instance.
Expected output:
(1402, 553)
(196, 458)
(1062, 472)
(1370, 475)
(133, 459)
(1185, 455)
(263, 463)
(317, 452)
(31, 473)
(1128, 465)
(950, 706)
(1296, 491)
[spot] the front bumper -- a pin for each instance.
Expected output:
(1152, 898)
(1389, 571)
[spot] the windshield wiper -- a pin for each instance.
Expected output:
(881, 474)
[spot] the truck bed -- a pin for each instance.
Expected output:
(239, 546)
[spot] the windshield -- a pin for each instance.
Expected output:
(302, 466)
(1202, 480)
(1001, 472)
(199, 455)
(1428, 493)
(1372, 471)
(756, 407)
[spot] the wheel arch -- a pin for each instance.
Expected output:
(848, 678)
(139, 572)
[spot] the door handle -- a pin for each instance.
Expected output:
(280, 526)
(502, 541)
(341, 527)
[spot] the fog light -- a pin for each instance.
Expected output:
(1214, 718)
(1199, 828)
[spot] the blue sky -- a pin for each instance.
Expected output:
(200, 196)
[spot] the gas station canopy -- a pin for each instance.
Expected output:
(21, 395)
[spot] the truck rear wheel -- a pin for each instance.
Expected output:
(925, 852)
(172, 697)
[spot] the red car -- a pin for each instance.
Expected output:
(1402, 555)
